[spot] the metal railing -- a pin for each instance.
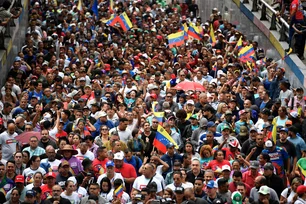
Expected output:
(271, 15)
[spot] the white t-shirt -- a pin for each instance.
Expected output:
(116, 176)
(87, 155)
(28, 174)
(141, 182)
(8, 144)
(132, 126)
(285, 95)
(73, 198)
(172, 186)
(54, 164)
(124, 135)
(290, 197)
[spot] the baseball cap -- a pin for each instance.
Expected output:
(19, 179)
(194, 116)
(170, 145)
(243, 131)
(226, 168)
(65, 163)
(269, 143)
(253, 129)
(30, 193)
(228, 112)
(101, 114)
(294, 114)
(236, 197)
(211, 124)
(284, 130)
(268, 166)
(211, 184)
(288, 122)
(254, 164)
(191, 102)
(234, 143)
(264, 190)
(242, 112)
(301, 189)
(223, 127)
(153, 95)
(118, 156)
(50, 174)
(179, 190)
(1, 121)
(110, 163)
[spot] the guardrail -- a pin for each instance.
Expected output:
(276, 23)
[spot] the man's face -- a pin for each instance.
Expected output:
(2, 171)
(94, 190)
(11, 128)
(241, 190)
(50, 154)
(170, 150)
(18, 158)
(118, 163)
(195, 166)
(198, 185)
(236, 179)
(33, 142)
(30, 199)
(50, 181)
(56, 192)
(259, 140)
(45, 134)
(208, 176)
(154, 123)
(128, 156)
(10, 167)
(283, 136)
(177, 179)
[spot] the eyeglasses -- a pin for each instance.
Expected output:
(34, 141)
(168, 96)
(104, 129)
(182, 75)
(154, 122)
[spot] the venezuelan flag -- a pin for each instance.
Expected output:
(239, 44)
(112, 20)
(247, 53)
(80, 5)
(212, 35)
(176, 39)
(184, 28)
(125, 22)
(162, 139)
(159, 115)
(111, 6)
(194, 32)
(119, 191)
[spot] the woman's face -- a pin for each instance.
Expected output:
(188, 148)
(206, 154)
(25, 157)
(70, 187)
(220, 156)
(236, 166)
(37, 178)
(70, 138)
(105, 186)
(295, 185)
(81, 126)
(166, 194)
(76, 139)
(36, 162)
(62, 144)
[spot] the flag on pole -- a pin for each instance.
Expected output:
(80, 5)
(239, 44)
(158, 115)
(94, 8)
(212, 35)
(194, 32)
(162, 139)
(125, 22)
(184, 28)
(119, 191)
(111, 6)
(247, 53)
(111, 21)
(176, 39)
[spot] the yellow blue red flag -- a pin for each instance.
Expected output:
(194, 32)
(247, 53)
(162, 139)
(176, 39)
(125, 22)
(212, 35)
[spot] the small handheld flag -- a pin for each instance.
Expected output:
(176, 39)
(162, 139)
(212, 35)
(119, 191)
(125, 22)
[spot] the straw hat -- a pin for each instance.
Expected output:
(68, 148)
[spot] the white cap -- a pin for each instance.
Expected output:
(72, 94)
(268, 143)
(190, 102)
(119, 156)
(101, 114)
(226, 167)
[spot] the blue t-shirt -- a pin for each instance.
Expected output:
(278, 156)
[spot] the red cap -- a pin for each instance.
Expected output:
(234, 143)
(159, 37)
(100, 45)
(19, 179)
(139, 55)
(136, 58)
(301, 189)
(153, 95)
(50, 174)
(173, 76)
(107, 67)
(1, 121)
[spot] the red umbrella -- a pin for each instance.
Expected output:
(189, 86)
(24, 138)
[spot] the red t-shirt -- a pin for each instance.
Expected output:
(61, 134)
(216, 165)
(247, 178)
(46, 192)
(232, 187)
(99, 166)
(127, 171)
(296, 6)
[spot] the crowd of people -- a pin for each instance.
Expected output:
(84, 101)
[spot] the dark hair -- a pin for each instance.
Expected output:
(200, 179)
(216, 153)
(237, 174)
(67, 112)
(135, 132)
(117, 182)
(181, 114)
(193, 150)
(222, 181)
(265, 156)
(37, 189)
(177, 172)
(122, 120)
(10, 161)
(241, 184)
(32, 159)
(105, 179)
